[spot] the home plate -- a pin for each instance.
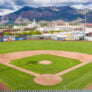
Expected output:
(48, 79)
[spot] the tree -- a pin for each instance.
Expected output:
(17, 33)
(7, 33)
(36, 32)
(34, 28)
(24, 33)
(30, 33)
(44, 24)
(51, 31)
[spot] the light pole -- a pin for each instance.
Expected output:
(85, 23)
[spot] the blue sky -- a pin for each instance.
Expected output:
(8, 6)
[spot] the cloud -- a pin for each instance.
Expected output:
(8, 6)
(5, 11)
(19, 3)
(16, 4)
(81, 6)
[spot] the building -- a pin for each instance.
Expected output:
(88, 33)
(67, 32)
(32, 25)
(89, 25)
(62, 28)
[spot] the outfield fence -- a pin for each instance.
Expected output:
(35, 37)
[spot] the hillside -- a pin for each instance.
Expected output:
(65, 13)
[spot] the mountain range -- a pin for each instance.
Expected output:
(64, 13)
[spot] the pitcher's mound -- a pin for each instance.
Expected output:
(45, 62)
(48, 79)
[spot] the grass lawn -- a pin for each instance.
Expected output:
(58, 63)
(77, 46)
(72, 80)
(76, 79)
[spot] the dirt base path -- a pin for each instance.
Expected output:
(3, 87)
(89, 87)
(83, 58)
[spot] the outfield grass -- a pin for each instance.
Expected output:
(58, 63)
(77, 46)
(72, 80)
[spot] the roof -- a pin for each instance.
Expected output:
(89, 25)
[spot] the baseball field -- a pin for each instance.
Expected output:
(45, 64)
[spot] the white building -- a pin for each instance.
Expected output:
(65, 28)
(32, 25)
(87, 31)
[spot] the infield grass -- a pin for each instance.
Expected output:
(58, 63)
